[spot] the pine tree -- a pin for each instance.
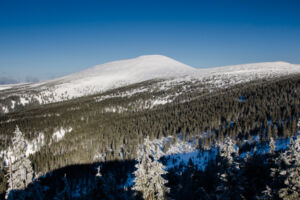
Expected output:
(149, 180)
(20, 172)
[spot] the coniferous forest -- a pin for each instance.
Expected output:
(250, 130)
(149, 100)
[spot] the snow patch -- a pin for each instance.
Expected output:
(181, 147)
(121, 95)
(24, 101)
(13, 104)
(5, 87)
(35, 145)
(160, 102)
(115, 109)
(59, 134)
(5, 109)
(99, 157)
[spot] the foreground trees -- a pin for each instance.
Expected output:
(149, 180)
(231, 180)
(289, 170)
(20, 172)
(230, 175)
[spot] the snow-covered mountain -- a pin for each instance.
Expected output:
(96, 79)
(260, 70)
(117, 74)
(204, 108)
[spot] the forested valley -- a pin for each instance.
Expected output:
(250, 130)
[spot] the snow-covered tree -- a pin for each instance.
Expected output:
(20, 172)
(98, 175)
(272, 145)
(158, 182)
(227, 150)
(230, 174)
(266, 194)
(148, 176)
(292, 173)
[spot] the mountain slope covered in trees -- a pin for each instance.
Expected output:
(200, 126)
(166, 71)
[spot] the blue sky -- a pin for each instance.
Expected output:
(46, 39)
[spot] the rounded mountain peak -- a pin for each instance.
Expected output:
(119, 73)
(142, 67)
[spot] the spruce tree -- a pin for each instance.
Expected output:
(292, 173)
(20, 172)
(231, 180)
(149, 180)
(272, 145)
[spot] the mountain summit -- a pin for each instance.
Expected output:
(119, 73)
(104, 77)
(132, 70)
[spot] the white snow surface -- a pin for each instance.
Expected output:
(181, 152)
(13, 104)
(116, 74)
(256, 68)
(24, 101)
(120, 73)
(35, 145)
(59, 134)
(4, 87)
(5, 109)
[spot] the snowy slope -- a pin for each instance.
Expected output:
(99, 79)
(258, 69)
(120, 73)
(234, 74)
(125, 72)
(5, 87)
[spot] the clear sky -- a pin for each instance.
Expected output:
(48, 38)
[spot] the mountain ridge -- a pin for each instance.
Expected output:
(148, 59)
(116, 74)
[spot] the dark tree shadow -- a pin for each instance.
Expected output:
(80, 182)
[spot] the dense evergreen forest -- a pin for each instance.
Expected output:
(272, 175)
(264, 108)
